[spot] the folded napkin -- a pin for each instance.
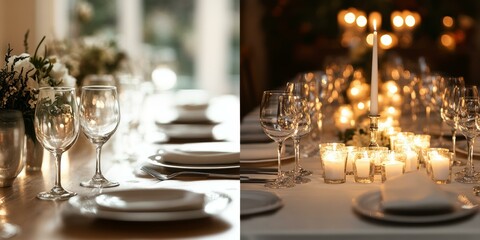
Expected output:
(254, 151)
(137, 200)
(414, 193)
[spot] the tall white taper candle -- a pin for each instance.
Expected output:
(374, 84)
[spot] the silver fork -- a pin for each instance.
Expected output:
(466, 203)
(163, 177)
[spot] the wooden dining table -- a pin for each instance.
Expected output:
(318, 210)
(39, 219)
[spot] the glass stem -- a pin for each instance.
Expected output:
(296, 145)
(470, 169)
(98, 168)
(279, 159)
(454, 139)
(58, 181)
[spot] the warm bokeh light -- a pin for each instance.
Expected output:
(361, 21)
(397, 21)
(410, 21)
(447, 41)
(386, 41)
(447, 21)
(349, 17)
(369, 39)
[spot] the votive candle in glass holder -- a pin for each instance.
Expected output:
(378, 155)
(329, 146)
(363, 166)
(334, 163)
(350, 155)
(400, 137)
(394, 166)
(421, 141)
(438, 163)
(412, 162)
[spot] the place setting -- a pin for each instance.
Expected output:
(147, 205)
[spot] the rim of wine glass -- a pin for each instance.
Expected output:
(57, 88)
(99, 87)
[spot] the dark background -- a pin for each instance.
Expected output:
(280, 38)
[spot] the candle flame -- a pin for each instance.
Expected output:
(374, 25)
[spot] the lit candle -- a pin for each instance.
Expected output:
(411, 163)
(334, 167)
(440, 167)
(362, 167)
(392, 168)
(374, 87)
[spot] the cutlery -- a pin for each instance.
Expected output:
(247, 179)
(163, 177)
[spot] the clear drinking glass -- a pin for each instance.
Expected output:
(449, 109)
(12, 137)
(99, 118)
(278, 121)
(56, 127)
(469, 112)
(302, 90)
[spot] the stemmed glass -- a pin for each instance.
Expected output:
(277, 119)
(449, 108)
(429, 89)
(56, 127)
(469, 112)
(302, 90)
(99, 118)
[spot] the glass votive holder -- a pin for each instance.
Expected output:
(439, 165)
(378, 155)
(393, 166)
(329, 146)
(350, 150)
(412, 160)
(400, 137)
(363, 166)
(421, 141)
(334, 163)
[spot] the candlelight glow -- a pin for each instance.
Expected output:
(361, 21)
(386, 40)
(410, 21)
(397, 21)
(375, 17)
(447, 21)
(448, 41)
(369, 39)
(349, 17)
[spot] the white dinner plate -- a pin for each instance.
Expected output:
(254, 201)
(149, 200)
(369, 205)
(463, 148)
(193, 166)
(214, 203)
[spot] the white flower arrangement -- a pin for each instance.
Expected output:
(22, 75)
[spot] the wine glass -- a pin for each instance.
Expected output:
(429, 89)
(99, 118)
(469, 112)
(449, 109)
(303, 109)
(277, 119)
(56, 127)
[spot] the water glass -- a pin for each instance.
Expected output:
(12, 137)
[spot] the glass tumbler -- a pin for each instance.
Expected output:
(12, 138)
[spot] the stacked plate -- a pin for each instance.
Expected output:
(148, 205)
(207, 156)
